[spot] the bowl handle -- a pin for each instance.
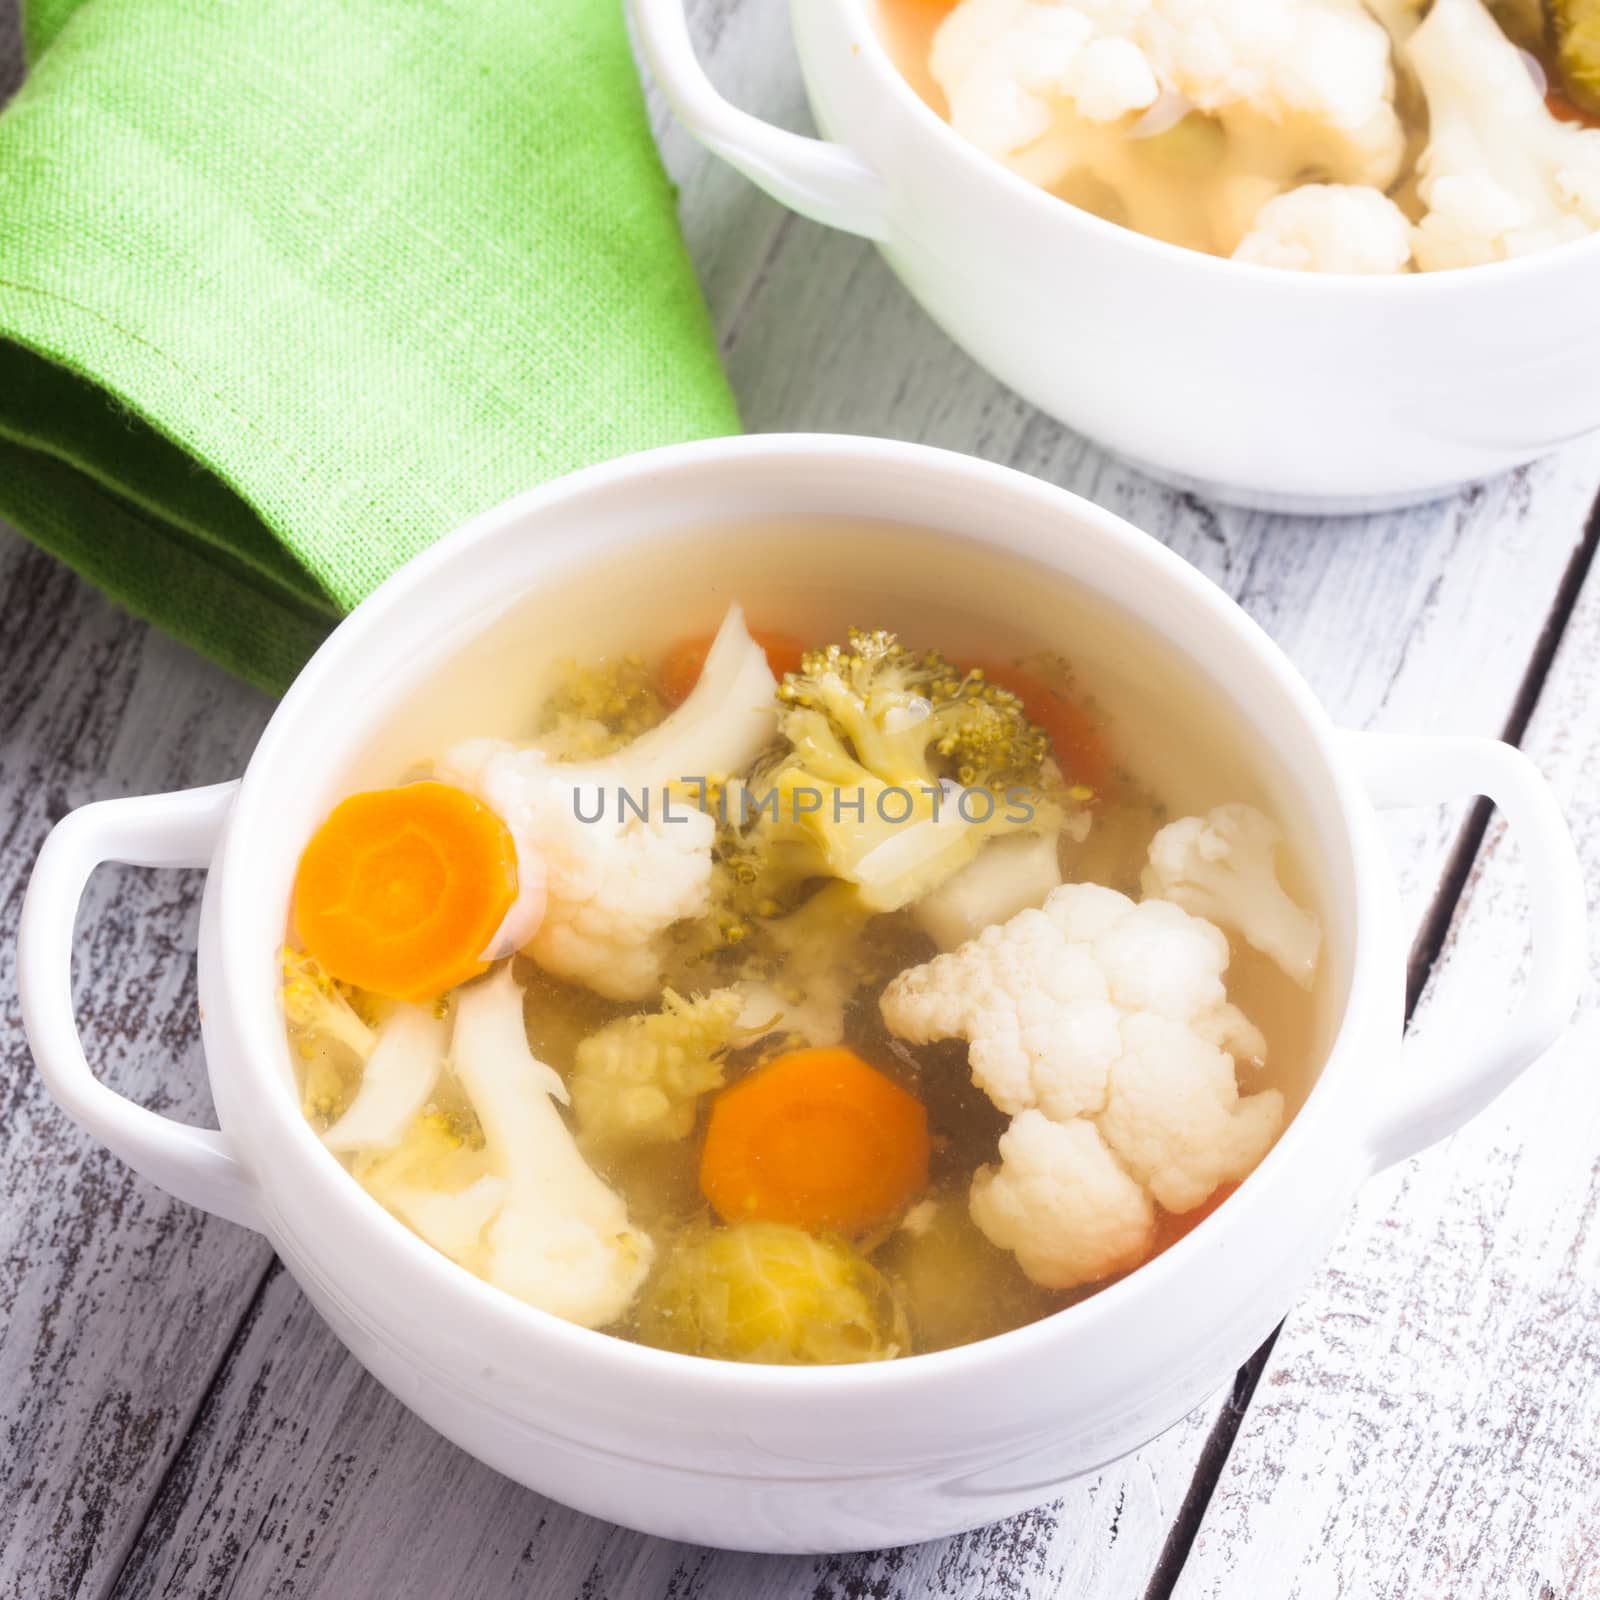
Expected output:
(824, 181)
(1448, 1077)
(159, 830)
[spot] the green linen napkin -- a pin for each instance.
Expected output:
(290, 288)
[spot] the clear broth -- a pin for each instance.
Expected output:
(1177, 747)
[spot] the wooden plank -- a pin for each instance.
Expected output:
(117, 1303)
(1429, 1421)
(307, 1479)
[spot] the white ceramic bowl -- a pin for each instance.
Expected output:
(765, 1457)
(1289, 390)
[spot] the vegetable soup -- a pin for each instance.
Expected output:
(1368, 136)
(806, 968)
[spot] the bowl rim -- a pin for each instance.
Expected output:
(864, 18)
(432, 1278)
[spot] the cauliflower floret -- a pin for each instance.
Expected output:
(1175, 1117)
(1042, 999)
(1004, 65)
(1007, 65)
(1501, 176)
(614, 882)
(1103, 1027)
(561, 1239)
(609, 854)
(1285, 88)
(1329, 227)
(1327, 60)
(1222, 866)
(1024, 999)
(1062, 1203)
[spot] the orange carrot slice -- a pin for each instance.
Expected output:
(1074, 734)
(817, 1139)
(401, 890)
(680, 667)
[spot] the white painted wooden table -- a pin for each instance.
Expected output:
(1426, 1423)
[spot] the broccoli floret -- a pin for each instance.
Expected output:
(451, 1114)
(895, 768)
(599, 708)
(639, 1080)
(330, 1037)
(433, 1152)
(911, 718)
(317, 1008)
(762, 1291)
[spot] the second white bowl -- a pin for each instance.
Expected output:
(1295, 391)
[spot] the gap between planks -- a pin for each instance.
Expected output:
(141, 1520)
(1425, 954)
